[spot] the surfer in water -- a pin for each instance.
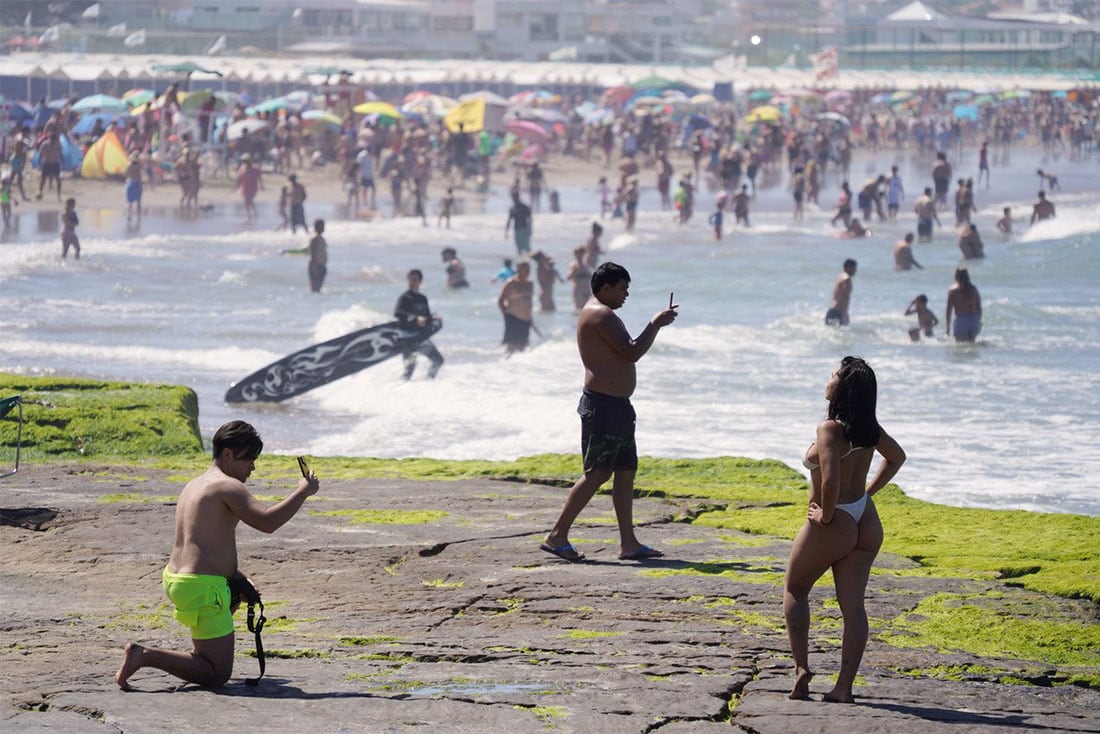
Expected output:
(412, 310)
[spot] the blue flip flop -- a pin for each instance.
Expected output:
(642, 554)
(562, 550)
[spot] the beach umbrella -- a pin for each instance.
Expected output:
(653, 82)
(966, 112)
(527, 130)
(834, 117)
(764, 113)
(269, 105)
(321, 120)
(194, 101)
(543, 115)
(299, 99)
(983, 99)
(697, 122)
(702, 100)
(1015, 94)
(435, 105)
(901, 96)
(882, 98)
(136, 96)
(382, 109)
(16, 111)
(760, 95)
(415, 95)
(617, 95)
(958, 95)
(599, 116)
(88, 121)
(245, 127)
(100, 103)
(837, 96)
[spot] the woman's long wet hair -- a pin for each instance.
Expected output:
(854, 400)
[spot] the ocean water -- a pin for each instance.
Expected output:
(205, 300)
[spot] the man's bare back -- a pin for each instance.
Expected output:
(205, 538)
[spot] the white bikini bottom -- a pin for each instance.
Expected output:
(855, 509)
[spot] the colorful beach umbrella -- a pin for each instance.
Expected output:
(319, 119)
(382, 109)
(760, 95)
(137, 96)
(764, 113)
(99, 103)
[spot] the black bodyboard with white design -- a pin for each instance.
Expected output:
(322, 363)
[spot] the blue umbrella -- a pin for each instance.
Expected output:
(87, 122)
(16, 111)
(698, 122)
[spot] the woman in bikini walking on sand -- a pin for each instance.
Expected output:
(842, 530)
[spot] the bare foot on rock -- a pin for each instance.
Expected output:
(130, 664)
(834, 697)
(801, 690)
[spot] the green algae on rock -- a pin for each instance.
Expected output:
(70, 418)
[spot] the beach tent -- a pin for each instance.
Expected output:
(71, 155)
(105, 158)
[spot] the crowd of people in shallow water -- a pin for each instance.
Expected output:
(802, 140)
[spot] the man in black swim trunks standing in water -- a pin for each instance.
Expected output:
(607, 417)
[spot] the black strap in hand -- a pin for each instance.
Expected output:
(241, 589)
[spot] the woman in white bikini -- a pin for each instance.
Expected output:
(842, 530)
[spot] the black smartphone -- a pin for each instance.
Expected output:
(670, 300)
(304, 466)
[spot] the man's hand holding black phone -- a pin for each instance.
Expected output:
(309, 479)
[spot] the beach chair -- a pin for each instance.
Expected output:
(6, 405)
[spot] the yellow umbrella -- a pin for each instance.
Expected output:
(470, 114)
(382, 109)
(764, 113)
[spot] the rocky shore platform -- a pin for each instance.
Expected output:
(397, 605)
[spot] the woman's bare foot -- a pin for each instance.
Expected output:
(801, 690)
(834, 697)
(130, 664)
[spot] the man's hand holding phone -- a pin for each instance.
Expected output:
(309, 479)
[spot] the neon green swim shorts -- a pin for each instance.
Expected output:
(202, 603)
